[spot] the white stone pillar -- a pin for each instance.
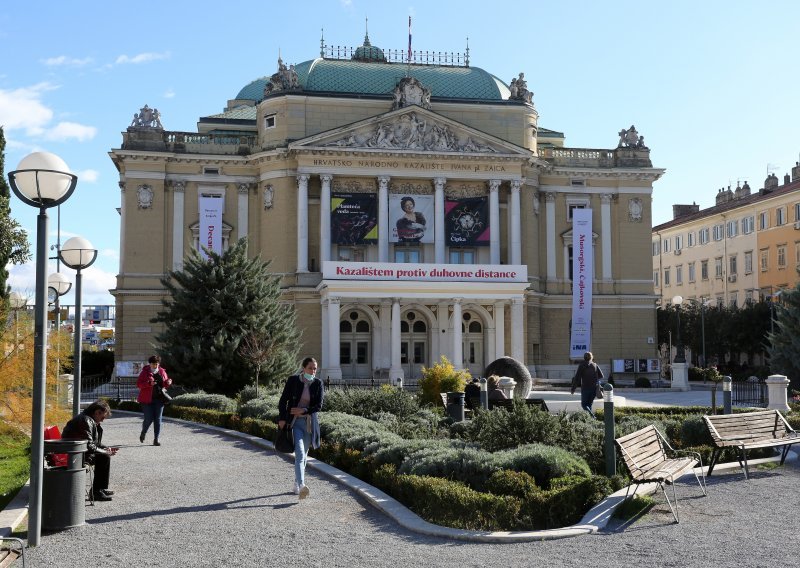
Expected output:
(550, 233)
(680, 376)
(325, 347)
(517, 331)
(396, 370)
(334, 370)
(302, 223)
(777, 386)
(516, 235)
(325, 219)
(386, 334)
(605, 233)
(438, 223)
(178, 229)
(383, 218)
(458, 348)
(500, 329)
(242, 210)
(494, 222)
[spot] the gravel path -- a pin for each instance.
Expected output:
(203, 499)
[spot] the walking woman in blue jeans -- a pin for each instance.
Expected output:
(151, 376)
(300, 402)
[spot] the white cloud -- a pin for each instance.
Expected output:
(64, 60)
(141, 58)
(89, 176)
(109, 253)
(95, 284)
(169, 94)
(67, 130)
(22, 109)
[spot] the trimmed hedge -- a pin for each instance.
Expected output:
(203, 400)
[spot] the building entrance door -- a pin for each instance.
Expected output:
(355, 346)
(413, 345)
(472, 347)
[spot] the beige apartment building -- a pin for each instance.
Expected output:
(413, 208)
(744, 248)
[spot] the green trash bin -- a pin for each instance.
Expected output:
(64, 488)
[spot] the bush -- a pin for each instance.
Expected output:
(514, 483)
(442, 377)
(396, 450)
(642, 383)
(543, 463)
(200, 399)
(363, 402)
(265, 408)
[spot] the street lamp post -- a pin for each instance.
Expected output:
(57, 285)
(77, 253)
(41, 180)
(680, 353)
(18, 302)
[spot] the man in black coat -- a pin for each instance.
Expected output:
(587, 376)
(87, 426)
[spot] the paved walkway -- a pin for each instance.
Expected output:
(206, 499)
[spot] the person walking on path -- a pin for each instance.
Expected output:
(151, 380)
(86, 426)
(587, 376)
(300, 402)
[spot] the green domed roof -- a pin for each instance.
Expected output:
(379, 78)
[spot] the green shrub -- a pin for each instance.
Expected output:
(642, 383)
(265, 408)
(396, 450)
(366, 402)
(200, 399)
(202, 415)
(541, 462)
(514, 483)
(694, 432)
(467, 465)
(441, 377)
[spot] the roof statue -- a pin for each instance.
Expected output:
(519, 90)
(409, 91)
(147, 118)
(284, 80)
(630, 139)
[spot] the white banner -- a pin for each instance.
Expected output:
(424, 272)
(210, 224)
(411, 218)
(580, 340)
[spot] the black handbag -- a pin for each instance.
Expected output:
(160, 394)
(284, 441)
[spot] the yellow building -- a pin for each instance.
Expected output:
(744, 248)
(413, 209)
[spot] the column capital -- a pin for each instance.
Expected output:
(606, 198)
(334, 300)
(516, 184)
(457, 301)
(178, 186)
(439, 182)
(326, 178)
(121, 186)
(494, 185)
(302, 179)
(383, 182)
(550, 197)
(242, 188)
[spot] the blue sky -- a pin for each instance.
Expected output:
(711, 85)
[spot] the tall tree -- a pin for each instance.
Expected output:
(214, 305)
(14, 246)
(784, 348)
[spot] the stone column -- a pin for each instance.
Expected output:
(500, 329)
(334, 371)
(386, 334)
(458, 348)
(397, 370)
(515, 246)
(777, 386)
(438, 223)
(383, 218)
(325, 219)
(550, 233)
(178, 229)
(494, 222)
(325, 347)
(302, 224)
(680, 376)
(242, 210)
(517, 330)
(122, 227)
(605, 233)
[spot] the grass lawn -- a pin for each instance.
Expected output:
(15, 448)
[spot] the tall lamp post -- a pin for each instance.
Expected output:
(17, 302)
(77, 253)
(680, 353)
(58, 285)
(41, 180)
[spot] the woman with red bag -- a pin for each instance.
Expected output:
(151, 380)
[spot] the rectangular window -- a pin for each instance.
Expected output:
(718, 267)
(407, 255)
(732, 264)
(733, 228)
(764, 260)
(781, 256)
(763, 220)
(748, 262)
(351, 254)
(679, 275)
(797, 253)
(747, 225)
(666, 245)
(666, 277)
(678, 242)
(462, 256)
(703, 236)
(691, 239)
(797, 211)
(656, 248)
(655, 278)
(780, 216)
(362, 352)
(571, 207)
(719, 232)
(344, 353)
(269, 121)
(704, 269)
(748, 296)
(691, 272)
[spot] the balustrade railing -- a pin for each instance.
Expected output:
(748, 392)
(588, 157)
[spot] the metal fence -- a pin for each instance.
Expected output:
(749, 392)
(98, 386)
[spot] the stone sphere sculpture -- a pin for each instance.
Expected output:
(510, 367)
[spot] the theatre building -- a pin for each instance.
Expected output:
(414, 209)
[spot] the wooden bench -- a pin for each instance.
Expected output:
(10, 550)
(650, 459)
(748, 431)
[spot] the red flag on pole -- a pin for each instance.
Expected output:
(409, 39)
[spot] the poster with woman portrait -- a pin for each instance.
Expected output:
(466, 222)
(354, 218)
(411, 218)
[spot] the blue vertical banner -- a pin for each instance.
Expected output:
(580, 340)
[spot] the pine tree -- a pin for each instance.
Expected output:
(14, 246)
(784, 348)
(214, 305)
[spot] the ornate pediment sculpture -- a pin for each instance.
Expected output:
(630, 139)
(409, 91)
(147, 118)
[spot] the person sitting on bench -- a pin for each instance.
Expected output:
(87, 426)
